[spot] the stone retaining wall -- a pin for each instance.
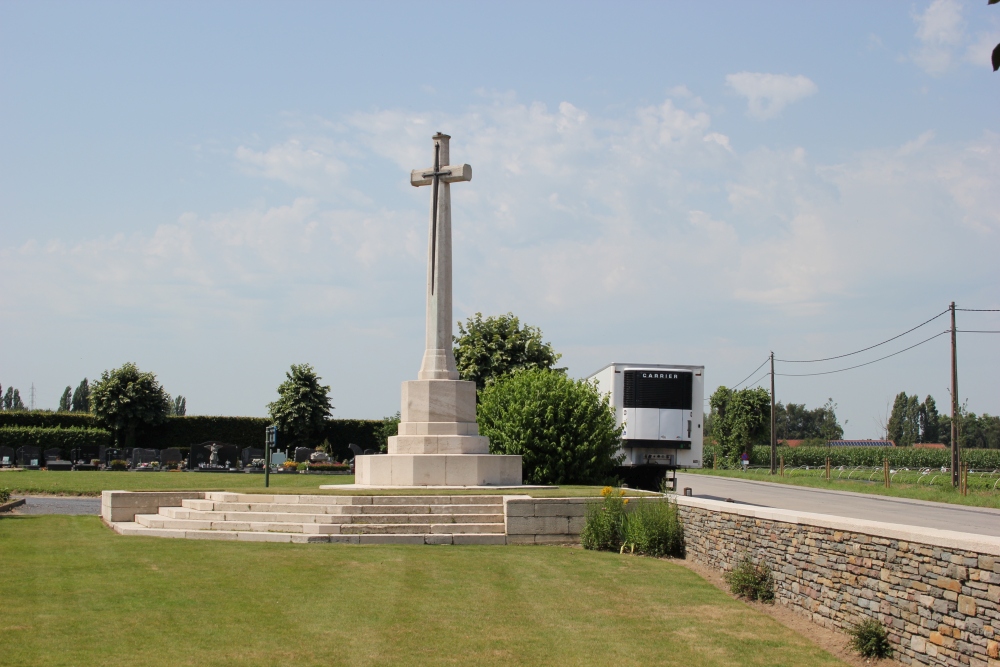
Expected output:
(117, 506)
(544, 520)
(936, 591)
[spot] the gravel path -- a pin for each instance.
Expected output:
(58, 505)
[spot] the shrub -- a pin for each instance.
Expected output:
(564, 429)
(603, 527)
(653, 528)
(647, 526)
(751, 581)
(64, 439)
(4, 496)
(870, 639)
(118, 464)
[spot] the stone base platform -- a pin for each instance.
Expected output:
(408, 470)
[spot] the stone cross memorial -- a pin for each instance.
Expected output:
(438, 443)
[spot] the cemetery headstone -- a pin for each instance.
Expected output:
(302, 454)
(6, 457)
(249, 454)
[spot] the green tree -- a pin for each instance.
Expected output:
(904, 422)
(388, 428)
(740, 420)
(490, 347)
(795, 422)
(178, 407)
(12, 400)
(81, 397)
(302, 408)
(897, 418)
(66, 400)
(126, 399)
(563, 429)
(930, 421)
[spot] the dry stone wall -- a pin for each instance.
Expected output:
(937, 592)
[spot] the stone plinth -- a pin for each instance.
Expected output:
(437, 470)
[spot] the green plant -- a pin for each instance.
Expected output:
(738, 421)
(653, 527)
(603, 528)
(302, 408)
(899, 457)
(126, 398)
(563, 429)
(647, 526)
(870, 639)
(489, 348)
(751, 580)
(4, 495)
(118, 464)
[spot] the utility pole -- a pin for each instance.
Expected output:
(954, 400)
(774, 435)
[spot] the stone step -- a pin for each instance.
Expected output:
(198, 515)
(159, 521)
(136, 529)
(412, 528)
(280, 508)
(224, 496)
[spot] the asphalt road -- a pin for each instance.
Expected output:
(58, 505)
(977, 520)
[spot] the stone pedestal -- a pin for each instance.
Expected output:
(438, 443)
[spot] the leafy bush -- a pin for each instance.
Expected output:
(603, 529)
(870, 639)
(650, 527)
(118, 464)
(64, 439)
(751, 581)
(327, 467)
(564, 429)
(4, 496)
(653, 528)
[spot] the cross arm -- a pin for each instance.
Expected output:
(451, 174)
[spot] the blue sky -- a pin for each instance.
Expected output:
(218, 190)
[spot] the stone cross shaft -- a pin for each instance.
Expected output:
(439, 359)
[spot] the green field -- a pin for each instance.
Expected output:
(77, 594)
(87, 483)
(933, 486)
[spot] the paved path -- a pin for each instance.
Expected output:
(58, 505)
(979, 520)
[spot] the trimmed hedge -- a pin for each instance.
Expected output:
(65, 439)
(182, 432)
(901, 457)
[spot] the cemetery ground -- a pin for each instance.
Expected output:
(984, 488)
(81, 595)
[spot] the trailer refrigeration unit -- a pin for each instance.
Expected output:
(661, 410)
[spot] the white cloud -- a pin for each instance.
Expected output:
(768, 94)
(980, 51)
(940, 31)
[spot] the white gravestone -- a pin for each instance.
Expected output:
(438, 442)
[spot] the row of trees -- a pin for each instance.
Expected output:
(79, 400)
(738, 420)
(914, 421)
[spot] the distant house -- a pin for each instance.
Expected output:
(930, 445)
(860, 443)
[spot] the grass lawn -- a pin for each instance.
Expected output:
(816, 478)
(77, 594)
(88, 483)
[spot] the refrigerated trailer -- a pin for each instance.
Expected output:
(660, 408)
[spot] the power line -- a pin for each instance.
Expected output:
(979, 310)
(977, 331)
(868, 363)
(870, 347)
(754, 383)
(736, 386)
